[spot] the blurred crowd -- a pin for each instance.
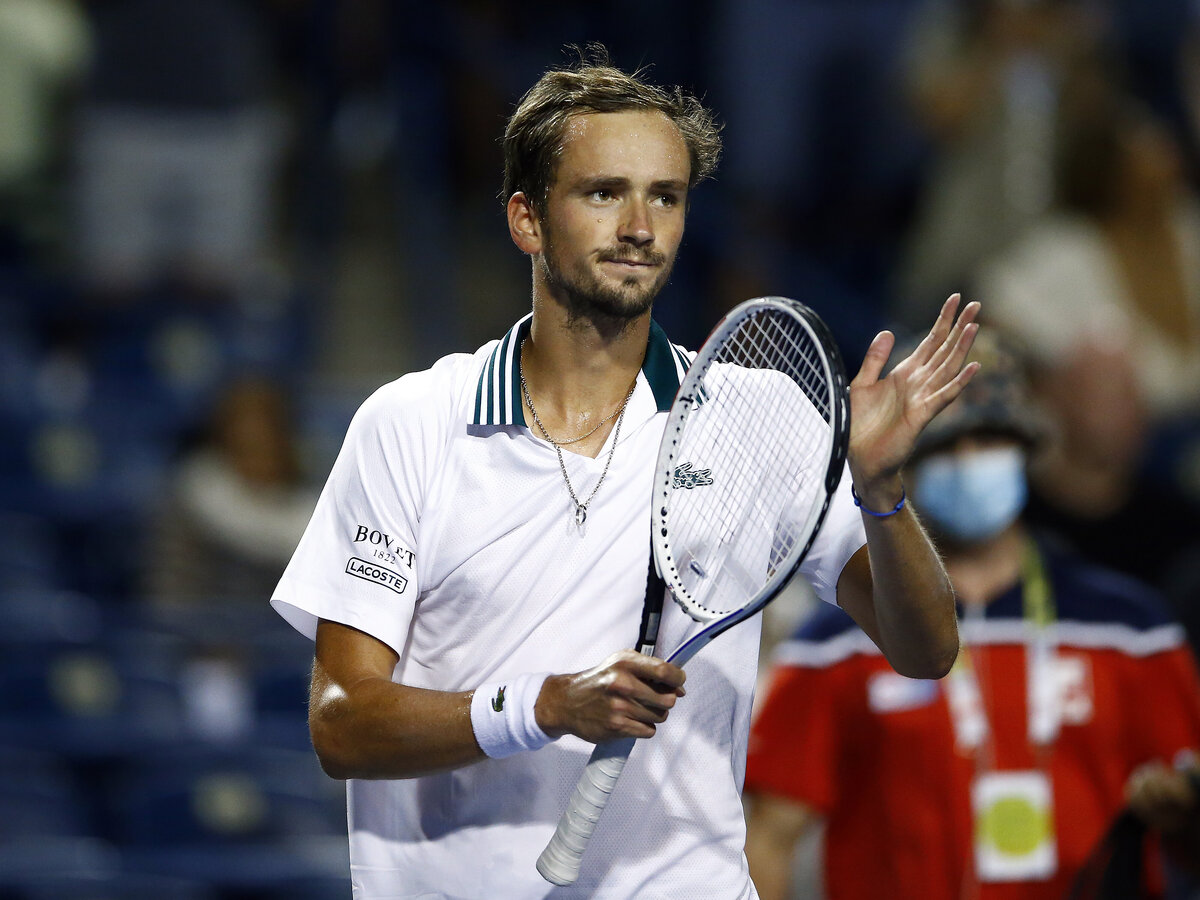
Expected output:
(223, 222)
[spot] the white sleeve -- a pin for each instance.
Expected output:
(841, 535)
(357, 561)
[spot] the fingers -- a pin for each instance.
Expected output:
(647, 682)
(875, 359)
(1160, 796)
(937, 334)
(943, 373)
(944, 396)
(625, 696)
(940, 354)
(951, 376)
(954, 348)
(636, 701)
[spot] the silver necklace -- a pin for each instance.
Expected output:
(581, 506)
(612, 415)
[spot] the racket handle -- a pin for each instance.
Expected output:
(561, 860)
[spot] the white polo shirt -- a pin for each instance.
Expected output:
(445, 530)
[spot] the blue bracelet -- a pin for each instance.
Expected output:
(879, 515)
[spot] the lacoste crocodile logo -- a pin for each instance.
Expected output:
(498, 700)
(687, 477)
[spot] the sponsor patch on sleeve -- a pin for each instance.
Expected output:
(369, 571)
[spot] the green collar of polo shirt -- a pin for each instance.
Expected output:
(498, 392)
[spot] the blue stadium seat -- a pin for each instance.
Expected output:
(45, 617)
(31, 862)
(85, 702)
(244, 817)
(39, 797)
(29, 560)
(117, 885)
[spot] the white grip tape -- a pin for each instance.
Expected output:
(561, 860)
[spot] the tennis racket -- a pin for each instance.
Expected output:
(764, 409)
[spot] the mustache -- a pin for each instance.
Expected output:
(629, 255)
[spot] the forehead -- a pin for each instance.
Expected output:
(635, 144)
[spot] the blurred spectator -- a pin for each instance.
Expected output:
(1159, 42)
(1104, 293)
(987, 79)
(821, 156)
(238, 506)
(1000, 779)
(44, 48)
(176, 145)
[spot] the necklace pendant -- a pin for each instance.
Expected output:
(580, 515)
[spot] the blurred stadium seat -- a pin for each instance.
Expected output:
(39, 797)
(240, 816)
(85, 703)
(45, 616)
(51, 885)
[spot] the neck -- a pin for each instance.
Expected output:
(574, 364)
(579, 371)
(982, 572)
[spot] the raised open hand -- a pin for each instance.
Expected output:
(888, 414)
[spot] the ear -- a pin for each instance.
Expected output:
(523, 225)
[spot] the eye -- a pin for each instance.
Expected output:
(667, 200)
(601, 195)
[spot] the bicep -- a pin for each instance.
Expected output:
(345, 657)
(364, 725)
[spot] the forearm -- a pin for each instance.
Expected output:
(770, 862)
(375, 728)
(773, 827)
(913, 599)
(364, 725)
(903, 599)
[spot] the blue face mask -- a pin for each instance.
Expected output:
(971, 496)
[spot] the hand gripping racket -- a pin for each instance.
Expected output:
(754, 448)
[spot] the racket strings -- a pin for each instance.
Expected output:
(785, 345)
(763, 420)
(782, 344)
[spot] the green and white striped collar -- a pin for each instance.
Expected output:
(498, 393)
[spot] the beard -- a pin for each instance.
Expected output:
(587, 296)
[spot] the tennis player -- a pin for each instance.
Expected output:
(477, 559)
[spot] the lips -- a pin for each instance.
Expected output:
(633, 261)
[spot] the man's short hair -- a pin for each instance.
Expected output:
(534, 135)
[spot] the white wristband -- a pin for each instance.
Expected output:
(503, 718)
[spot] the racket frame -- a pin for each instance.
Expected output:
(686, 401)
(560, 863)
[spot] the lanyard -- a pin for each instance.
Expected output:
(1043, 695)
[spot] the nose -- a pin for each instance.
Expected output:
(636, 226)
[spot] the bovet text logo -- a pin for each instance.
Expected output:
(370, 571)
(387, 548)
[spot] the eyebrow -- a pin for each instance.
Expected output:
(597, 182)
(670, 184)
